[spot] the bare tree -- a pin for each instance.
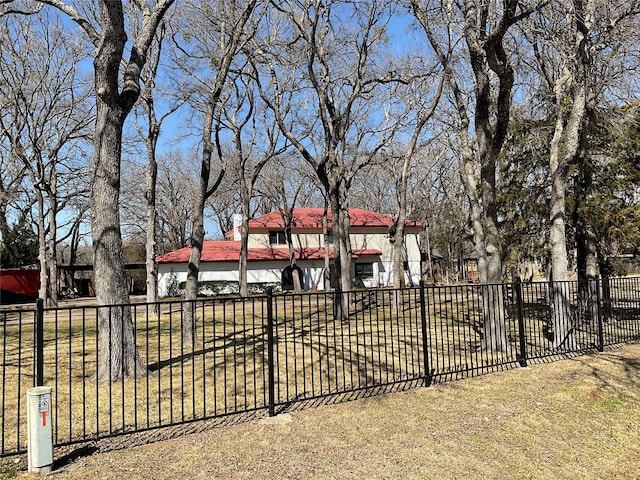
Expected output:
(371, 188)
(574, 55)
(322, 74)
(286, 185)
(287, 182)
(177, 184)
(225, 203)
(255, 141)
(425, 107)
(151, 135)
(435, 197)
(11, 181)
(483, 27)
(45, 120)
(117, 87)
(219, 31)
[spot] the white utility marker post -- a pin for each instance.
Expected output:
(40, 439)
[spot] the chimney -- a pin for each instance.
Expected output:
(237, 224)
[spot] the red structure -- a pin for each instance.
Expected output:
(19, 285)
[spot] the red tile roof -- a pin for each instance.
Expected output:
(226, 251)
(312, 218)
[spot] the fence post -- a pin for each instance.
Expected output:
(425, 347)
(270, 358)
(517, 288)
(39, 347)
(599, 314)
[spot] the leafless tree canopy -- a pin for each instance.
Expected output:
(485, 120)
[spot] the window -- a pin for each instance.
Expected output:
(277, 237)
(364, 270)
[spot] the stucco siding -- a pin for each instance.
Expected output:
(257, 273)
(377, 239)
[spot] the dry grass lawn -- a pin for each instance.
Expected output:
(572, 419)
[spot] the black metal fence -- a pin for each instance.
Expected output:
(266, 353)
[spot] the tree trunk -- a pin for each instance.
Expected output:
(495, 332)
(193, 269)
(115, 97)
(398, 251)
(607, 307)
(338, 304)
(327, 258)
(43, 290)
(246, 192)
(231, 46)
(561, 305)
(288, 221)
(48, 289)
(152, 222)
(398, 246)
(198, 232)
(484, 216)
(565, 145)
(52, 254)
(398, 238)
(118, 355)
(244, 251)
(572, 89)
(342, 254)
(346, 262)
(587, 267)
(297, 281)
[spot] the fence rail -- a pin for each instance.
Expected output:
(267, 352)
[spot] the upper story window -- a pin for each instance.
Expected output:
(330, 237)
(277, 237)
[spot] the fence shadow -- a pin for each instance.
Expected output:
(281, 353)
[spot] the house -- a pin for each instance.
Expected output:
(268, 254)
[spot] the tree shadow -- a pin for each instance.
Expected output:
(230, 340)
(615, 371)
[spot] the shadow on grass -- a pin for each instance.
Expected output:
(76, 452)
(610, 361)
(237, 338)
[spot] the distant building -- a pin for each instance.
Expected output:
(268, 254)
(19, 285)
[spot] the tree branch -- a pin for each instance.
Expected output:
(73, 14)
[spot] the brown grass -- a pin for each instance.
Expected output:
(210, 381)
(223, 373)
(572, 419)
(226, 371)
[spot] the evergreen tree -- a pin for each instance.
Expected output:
(605, 198)
(20, 246)
(523, 191)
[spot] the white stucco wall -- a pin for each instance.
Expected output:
(385, 275)
(361, 238)
(383, 268)
(257, 272)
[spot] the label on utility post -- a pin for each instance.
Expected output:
(43, 407)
